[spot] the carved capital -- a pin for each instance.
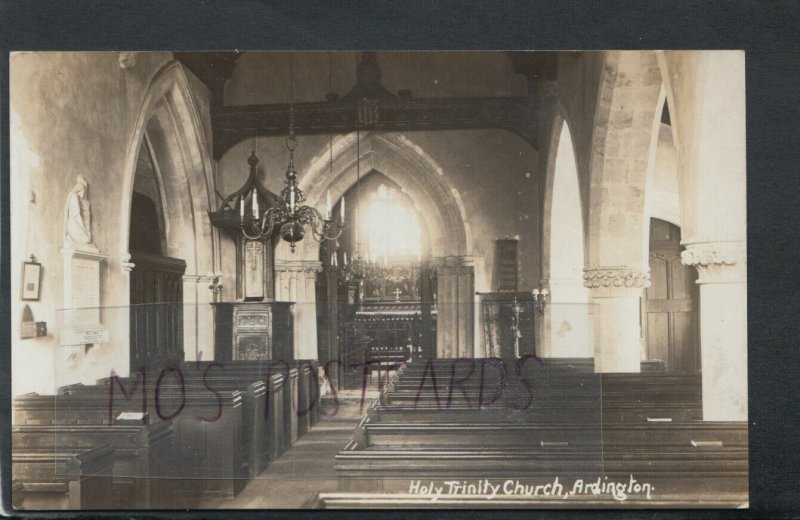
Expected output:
(615, 281)
(717, 262)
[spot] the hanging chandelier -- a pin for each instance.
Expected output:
(287, 214)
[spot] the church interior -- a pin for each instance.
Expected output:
(371, 279)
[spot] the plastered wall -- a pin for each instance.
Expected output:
(73, 113)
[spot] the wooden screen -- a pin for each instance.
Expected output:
(156, 311)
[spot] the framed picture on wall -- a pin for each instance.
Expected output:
(31, 280)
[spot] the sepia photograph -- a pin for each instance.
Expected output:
(373, 279)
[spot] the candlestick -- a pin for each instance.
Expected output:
(328, 206)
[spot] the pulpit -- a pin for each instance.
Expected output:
(253, 331)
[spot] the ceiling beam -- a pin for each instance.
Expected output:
(233, 124)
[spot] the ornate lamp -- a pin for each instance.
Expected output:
(287, 213)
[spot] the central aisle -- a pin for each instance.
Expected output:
(293, 479)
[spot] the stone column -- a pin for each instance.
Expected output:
(198, 316)
(722, 276)
(296, 282)
(455, 288)
(616, 293)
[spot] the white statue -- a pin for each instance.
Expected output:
(78, 220)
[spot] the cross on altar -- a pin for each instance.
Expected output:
(397, 293)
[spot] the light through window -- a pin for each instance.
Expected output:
(392, 226)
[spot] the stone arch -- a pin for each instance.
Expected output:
(625, 132)
(662, 191)
(444, 217)
(565, 323)
(170, 122)
(559, 129)
(407, 165)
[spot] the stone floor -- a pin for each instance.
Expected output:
(293, 479)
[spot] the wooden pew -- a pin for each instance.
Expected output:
(577, 425)
(693, 473)
(63, 479)
(142, 456)
(524, 436)
(294, 420)
(585, 365)
(208, 426)
(586, 412)
(355, 500)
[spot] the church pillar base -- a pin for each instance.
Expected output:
(616, 294)
(722, 268)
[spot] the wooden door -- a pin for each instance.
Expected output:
(669, 307)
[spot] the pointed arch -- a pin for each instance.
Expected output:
(407, 165)
(625, 133)
(562, 170)
(170, 121)
(565, 331)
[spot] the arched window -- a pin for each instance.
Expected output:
(391, 225)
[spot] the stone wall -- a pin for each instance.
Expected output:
(75, 113)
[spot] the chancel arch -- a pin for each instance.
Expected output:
(417, 175)
(565, 323)
(169, 130)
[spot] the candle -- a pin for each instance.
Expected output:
(291, 200)
(345, 258)
(255, 203)
(333, 259)
(328, 206)
(241, 209)
(341, 212)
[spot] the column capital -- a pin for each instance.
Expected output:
(615, 280)
(717, 261)
(298, 266)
